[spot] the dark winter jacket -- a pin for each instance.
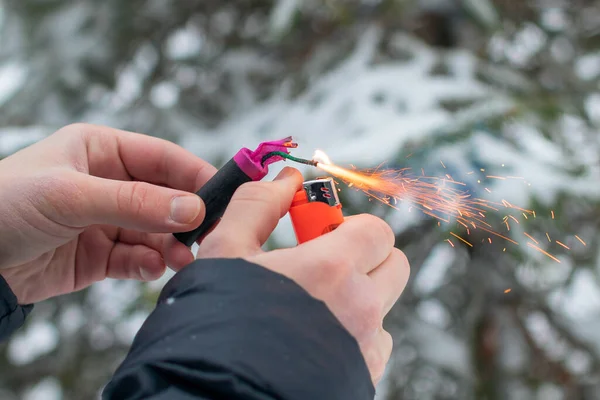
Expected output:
(228, 329)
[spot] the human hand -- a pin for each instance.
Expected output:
(355, 270)
(91, 202)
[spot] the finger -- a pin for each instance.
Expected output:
(122, 155)
(175, 253)
(134, 205)
(362, 241)
(254, 211)
(390, 278)
(135, 262)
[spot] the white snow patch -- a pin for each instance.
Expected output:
(441, 348)
(184, 43)
(13, 139)
(164, 95)
(554, 19)
(433, 312)
(587, 67)
(126, 330)
(581, 299)
(592, 107)
(47, 389)
(433, 271)
(12, 77)
(71, 319)
(110, 298)
(40, 337)
(282, 15)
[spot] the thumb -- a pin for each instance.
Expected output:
(138, 205)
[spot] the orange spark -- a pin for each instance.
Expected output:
(490, 240)
(450, 241)
(581, 240)
(507, 290)
(495, 177)
(563, 245)
(436, 197)
(461, 239)
(543, 252)
(531, 237)
(552, 212)
(548, 236)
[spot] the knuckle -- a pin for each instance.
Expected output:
(217, 244)
(132, 197)
(77, 128)
(374, 231)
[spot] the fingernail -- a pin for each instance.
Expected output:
(145, 275)
(185, 209)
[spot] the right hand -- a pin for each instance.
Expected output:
(355, 270)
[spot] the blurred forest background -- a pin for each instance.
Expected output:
(488, 87)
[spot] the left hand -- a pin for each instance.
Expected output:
(91, 202)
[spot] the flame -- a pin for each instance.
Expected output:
(440, 198)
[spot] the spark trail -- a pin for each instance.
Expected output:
(441, 198)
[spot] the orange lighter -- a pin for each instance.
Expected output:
(316, 209)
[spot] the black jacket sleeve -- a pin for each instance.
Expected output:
(12, 315)
(228, 329)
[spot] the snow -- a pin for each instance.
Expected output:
(111, 298)
(527, 42)
(184, 43)
(346, 113)
(46, 389)
(441, 348)
(127, 89)
(71, 319)
(434, 313)
(12, 77)
(39, 338)
(554, 19)
(587, 67)
(126, 330)
(164, 95)
(484, 10)
(592, 106)
(432, 273)
(13, 139)
(282, 15)
(581, 299)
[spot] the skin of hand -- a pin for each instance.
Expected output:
(355, 270)
(91, 202)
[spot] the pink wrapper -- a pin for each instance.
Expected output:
(251, 161)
